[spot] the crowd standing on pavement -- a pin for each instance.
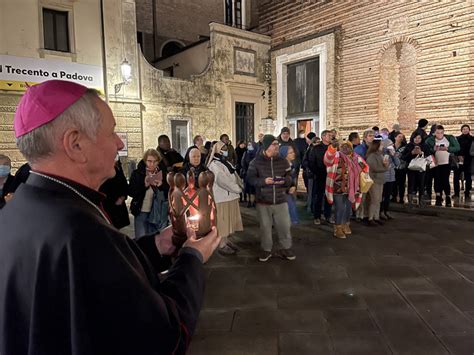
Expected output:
(83, 194)
(266, 175)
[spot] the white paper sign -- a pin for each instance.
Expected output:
(16, 70)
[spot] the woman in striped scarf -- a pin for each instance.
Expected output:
(342, 183)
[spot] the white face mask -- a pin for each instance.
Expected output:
(225, 153)
(250, 147)
(301, 135)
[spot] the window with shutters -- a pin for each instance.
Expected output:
(56, 30)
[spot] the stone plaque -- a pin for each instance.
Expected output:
(244, 61)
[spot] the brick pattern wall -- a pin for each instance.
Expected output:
(185, 20)
(441, 32)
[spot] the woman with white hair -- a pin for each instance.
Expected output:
(227, 188)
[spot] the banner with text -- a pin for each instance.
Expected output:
(17, 73)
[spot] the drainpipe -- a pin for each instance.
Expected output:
(154, 29)
(104, 57)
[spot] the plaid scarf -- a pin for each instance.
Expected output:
(331, 160)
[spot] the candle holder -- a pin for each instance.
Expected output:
(191, 206)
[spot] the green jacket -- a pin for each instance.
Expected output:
(453, 143)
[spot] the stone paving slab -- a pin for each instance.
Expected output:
(404, 288)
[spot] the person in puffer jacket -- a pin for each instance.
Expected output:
(270, 174)
(390, 178)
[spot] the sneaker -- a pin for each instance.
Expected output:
(389, 217)
(264, 256)
(287, 254)
(331, 220)
(226, 250)
(317, 221)
(439, 201)
(378, 221)
(383, 217)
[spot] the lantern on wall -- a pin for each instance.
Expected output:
(191, 206)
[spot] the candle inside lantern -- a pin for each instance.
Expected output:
(193, 221)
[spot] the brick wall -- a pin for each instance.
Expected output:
(439, 33)
(185, 20)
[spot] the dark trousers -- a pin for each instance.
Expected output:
(386, 195)
(466, 169)
(429, 176)
(399, 186)
(416, 182)
(319, 198)
(441, 179)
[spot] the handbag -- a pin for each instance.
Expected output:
(365, 182)
(418, 164)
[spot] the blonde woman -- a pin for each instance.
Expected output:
(226, 189)
(149, 191)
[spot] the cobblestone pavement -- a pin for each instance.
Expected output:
(405, 288)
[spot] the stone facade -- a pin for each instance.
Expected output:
(145, 107)
(393, 61)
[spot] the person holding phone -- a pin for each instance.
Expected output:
(443, 146)
(149, 191)
(270, 174)
(416, 179)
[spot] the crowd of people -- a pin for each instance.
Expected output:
(265, 175)
(67, 271)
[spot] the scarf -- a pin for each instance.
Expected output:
(354, 169)
(331, 160)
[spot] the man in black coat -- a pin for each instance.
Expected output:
(172, 159)
(465, 160)
(70, 282)
(317, 167)
(6, 180)
(116, 191)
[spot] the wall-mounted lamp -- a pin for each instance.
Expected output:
(126, 71)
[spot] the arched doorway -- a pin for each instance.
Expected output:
(397, 87)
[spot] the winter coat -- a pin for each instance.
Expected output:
(137, 188)
(113, 189)
(301, 146)
(361, 150)
(376, 168)
(263, 167)
(394, 162)
(471, 153)
(171, 159)
(465, 142)
(408, 157)
(7, 188)
(316, 161)
(238, 163)
(197, 171)
(453, 144)
(225, 186)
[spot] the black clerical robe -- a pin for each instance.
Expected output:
(70, 283)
